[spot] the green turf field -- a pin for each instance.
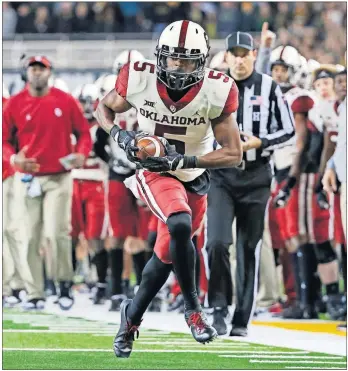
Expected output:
(39, 341)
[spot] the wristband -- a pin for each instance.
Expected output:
(190, 162)
(319, 186)
(114, 130)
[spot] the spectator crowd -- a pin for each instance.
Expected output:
(316, 29)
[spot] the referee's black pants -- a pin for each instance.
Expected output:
(242, 194)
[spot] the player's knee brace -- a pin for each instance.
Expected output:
(180, 226)
(325, 253)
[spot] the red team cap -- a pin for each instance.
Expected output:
(41, 60)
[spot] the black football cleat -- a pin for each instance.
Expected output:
(116, 301)
(219, 323)
(336, 307)
(65, 299)
(100, 295)
(200, 328)
(239, 331)
(298, 311)
(123, 342)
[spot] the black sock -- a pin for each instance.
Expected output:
(154, 276)
(304, 256)
(307, 266)
(344, 265)
(198, 265)
(101, 263)
(116, 265)
(183, 255)
(294, 260)
(332, 288)
(73, 252)
(314, 286)
(139, 264)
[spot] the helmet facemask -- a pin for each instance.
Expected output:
(179, 76)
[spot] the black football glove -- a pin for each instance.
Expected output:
(322, 200)
(321, 195)
(126, 141)
(171, 162)
(282, 197)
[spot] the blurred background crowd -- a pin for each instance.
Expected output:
(316, 29)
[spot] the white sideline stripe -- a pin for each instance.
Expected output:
(263, 355)
(197, 345)
(136, 350)
(290, 361)
(313, 368)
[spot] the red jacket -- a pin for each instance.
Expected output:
(45, 125)
(7, 169)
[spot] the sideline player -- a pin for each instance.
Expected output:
(177, 98)
(88, 203)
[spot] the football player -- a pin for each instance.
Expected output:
(285, 62)
(329, 113)
(308, 222)
(128, 218)
(88, 204)
(179, 99)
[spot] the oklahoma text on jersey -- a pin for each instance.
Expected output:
(185, 122)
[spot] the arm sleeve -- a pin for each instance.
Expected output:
(80, 130)
(282, 119)
(263, 61)
(302, 104)
(121, 85)
(100, 143)
(8, 133)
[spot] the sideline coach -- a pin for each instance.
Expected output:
(266, 124)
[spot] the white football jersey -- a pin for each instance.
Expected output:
(329, 115)
(186, 122)
(296, 96)
(94, 168)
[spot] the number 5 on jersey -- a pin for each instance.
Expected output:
(162, 130)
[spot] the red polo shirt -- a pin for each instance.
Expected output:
(45, 125)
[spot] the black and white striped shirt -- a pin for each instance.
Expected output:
(264, 113)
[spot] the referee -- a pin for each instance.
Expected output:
(266, 124)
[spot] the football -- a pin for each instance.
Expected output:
(150, 146)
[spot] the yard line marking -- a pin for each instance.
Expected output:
(96, 331)
(290, 361)
(261, 355)
(186, 342)
(137, 350)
